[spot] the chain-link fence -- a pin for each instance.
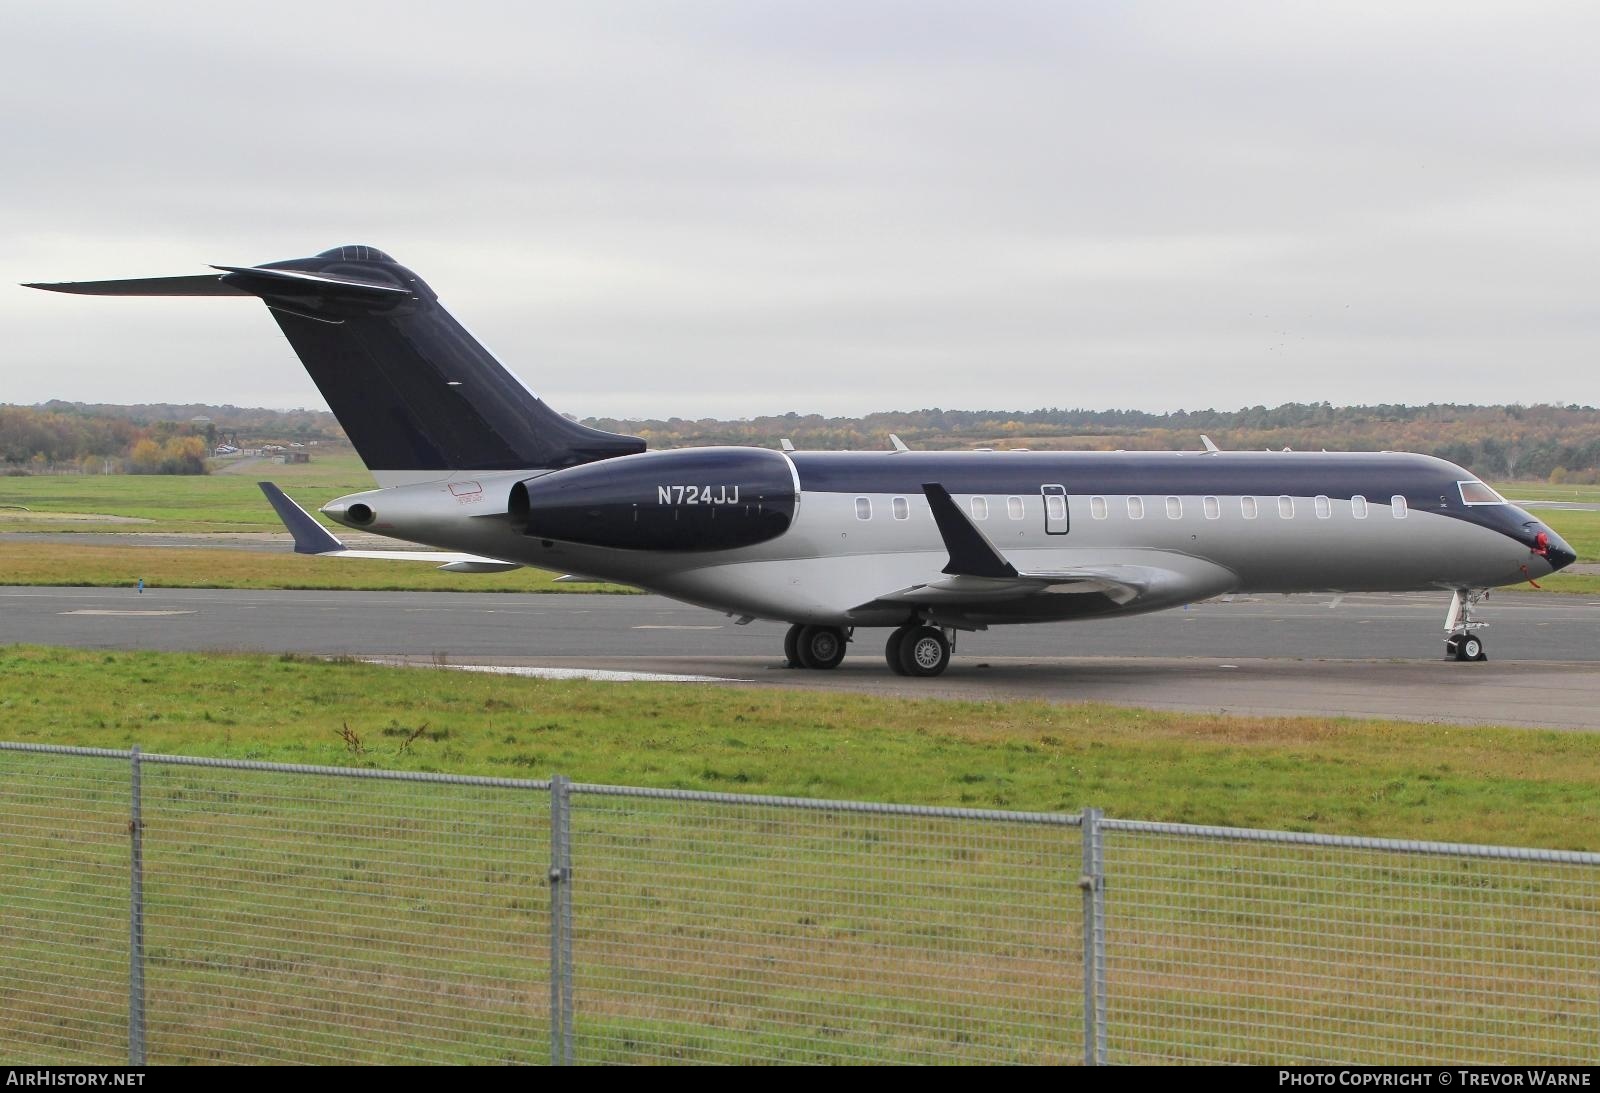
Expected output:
(719, 928)
(174, 909)
(1268, 946)
(169, 909)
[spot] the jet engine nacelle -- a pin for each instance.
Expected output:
(688, 499)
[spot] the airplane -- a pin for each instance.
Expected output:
(925, 545)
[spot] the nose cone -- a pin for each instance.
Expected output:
(1556, 551)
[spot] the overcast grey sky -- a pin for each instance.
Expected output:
(661, 208)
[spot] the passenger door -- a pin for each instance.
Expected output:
(1056, 520)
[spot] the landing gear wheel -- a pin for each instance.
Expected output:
(1463, 642)
(924, 652)
(791, 645)
(820, 647)
(891, 651)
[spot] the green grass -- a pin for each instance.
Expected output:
(1579, 527)
(1396, 779)
(221, 502)
(1545, 491)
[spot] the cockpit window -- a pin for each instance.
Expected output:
(1479, 493)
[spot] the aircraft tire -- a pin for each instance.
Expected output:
(791, 646)
(925, 652)
(891, 650)
(1472, 649)
(821, 647)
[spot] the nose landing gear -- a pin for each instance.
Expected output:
(1461, 641)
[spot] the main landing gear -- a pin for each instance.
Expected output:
(818, 647)
(913, 650)
(1462, 641)
(918, 650)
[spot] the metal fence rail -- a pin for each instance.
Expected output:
(179, 909)
(305, 914)
(64, 907)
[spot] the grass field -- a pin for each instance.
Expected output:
(1545, 491)
(216, 502)
(1311, 774)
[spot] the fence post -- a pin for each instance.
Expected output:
(136, 1052)
(560, 923)
(1092, 882)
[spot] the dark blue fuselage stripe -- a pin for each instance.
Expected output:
(1374, 476)
(1427, 484)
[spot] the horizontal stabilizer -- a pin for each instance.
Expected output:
(310, 537)
(203, 284)
(267, 281)
(233, 281)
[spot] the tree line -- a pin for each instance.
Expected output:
(161, 438)
(1501, 442)
(42, 441)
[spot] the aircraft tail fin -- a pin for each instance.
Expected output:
(411, 387)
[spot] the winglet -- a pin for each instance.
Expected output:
(1211, 445)
(971, 553)
(310, 537)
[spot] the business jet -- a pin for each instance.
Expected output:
(923, 544)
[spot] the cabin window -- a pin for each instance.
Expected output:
(1286, 507)
(902, 510)
(863, 508)
(1397, 505)
(1479, 493)
(980, 508)
(1097, 507)
(1358, 507)
(1247, 506)
(1174, 509)
(1014, 507)
(1213, 508)
(1136, 508)
(1324, 507)
(1055, 506)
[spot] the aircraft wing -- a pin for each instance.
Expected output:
(979, 573)
(311, 537)
(1119, 583)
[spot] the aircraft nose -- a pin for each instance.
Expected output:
(1555, 550)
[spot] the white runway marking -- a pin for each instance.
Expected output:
(134, 614)
(599, 674)
(663, 626)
